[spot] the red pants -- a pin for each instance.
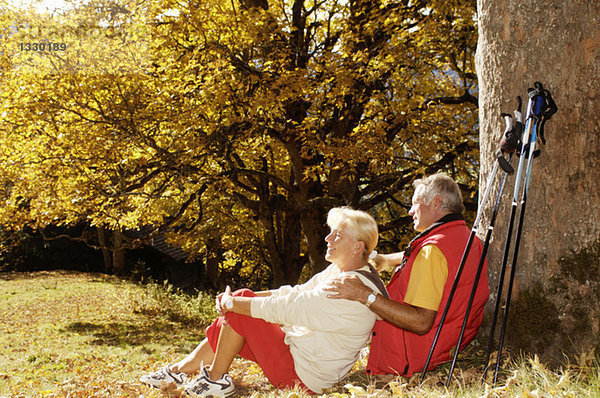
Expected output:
(264, 345)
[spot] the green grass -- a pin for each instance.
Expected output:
(72, 334)
(67, 334)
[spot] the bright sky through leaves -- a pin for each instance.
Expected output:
(43, 5)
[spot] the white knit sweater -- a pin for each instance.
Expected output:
(325, 335)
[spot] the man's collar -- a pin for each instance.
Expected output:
(444, 220)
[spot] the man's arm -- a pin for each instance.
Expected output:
(414, 319)
(392, 259)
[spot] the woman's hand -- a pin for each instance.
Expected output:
(224, 301)
(348, 287)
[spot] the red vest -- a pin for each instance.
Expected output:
(398, 351)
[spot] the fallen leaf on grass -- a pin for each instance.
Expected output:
(172, 390)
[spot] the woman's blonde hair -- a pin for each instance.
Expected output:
(360, 224)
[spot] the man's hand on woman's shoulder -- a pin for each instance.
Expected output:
(347, 287)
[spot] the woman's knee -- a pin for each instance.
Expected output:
(243, 293)
(237, 321)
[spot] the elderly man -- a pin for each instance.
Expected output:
(420, 285)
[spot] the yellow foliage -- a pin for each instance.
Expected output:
(230, 123)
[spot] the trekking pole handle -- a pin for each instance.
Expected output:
(508, 143)
(508, 122)
(524, 142)
(511, 139)
(536, 94)
(517, 112)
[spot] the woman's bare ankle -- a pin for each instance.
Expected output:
(186, 366)
(214, 376)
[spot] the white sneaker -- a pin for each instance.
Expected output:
(203, 386)
(163, 375)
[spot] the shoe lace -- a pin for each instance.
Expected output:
(160, 375)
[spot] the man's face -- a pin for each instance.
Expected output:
(423, 214)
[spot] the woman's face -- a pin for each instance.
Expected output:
(341, 246)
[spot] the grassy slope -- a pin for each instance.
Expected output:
(80, 334)
(84, 335)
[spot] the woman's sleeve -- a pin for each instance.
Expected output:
(312, 309)
(311, 283)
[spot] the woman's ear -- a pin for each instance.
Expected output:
(359, 247)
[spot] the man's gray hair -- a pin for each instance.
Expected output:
(442, 185)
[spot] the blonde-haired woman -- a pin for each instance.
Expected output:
(319, 339)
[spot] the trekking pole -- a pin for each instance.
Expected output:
(486, 245)
(521, 136)
(543, 108)
(507, 169)
(509, 143)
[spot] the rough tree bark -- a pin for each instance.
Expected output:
(108, 265)
(118, 253)
(556, 302)
(214, 256)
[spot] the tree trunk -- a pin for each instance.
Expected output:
(555, 305)
(118, 254)
(314, 230)
(214, 257)
(291, 237)
(108, 264)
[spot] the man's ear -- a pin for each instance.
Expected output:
(437, 202)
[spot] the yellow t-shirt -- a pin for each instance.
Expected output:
(427, 278)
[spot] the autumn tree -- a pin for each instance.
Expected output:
(236, 126)
(86, 129)
(355, 100)
(318, 104)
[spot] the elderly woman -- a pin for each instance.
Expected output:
(319, 339)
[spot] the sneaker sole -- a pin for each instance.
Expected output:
(229, 394)
(213, 396)
(159, 386)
